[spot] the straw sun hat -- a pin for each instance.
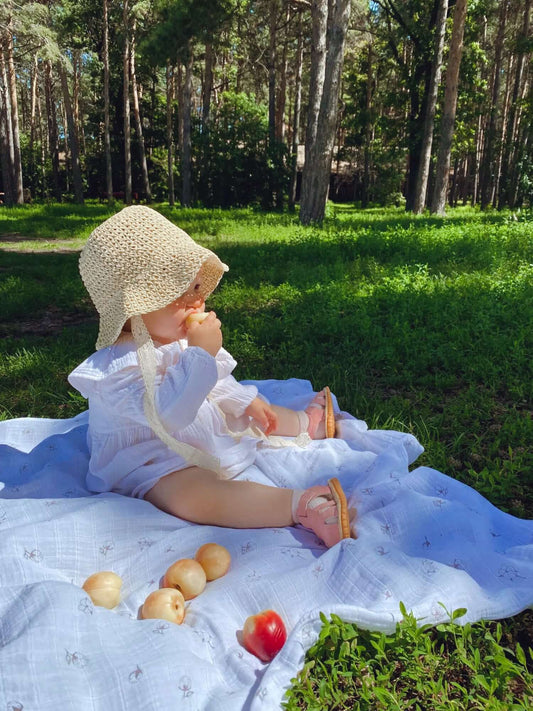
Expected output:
(136, 262)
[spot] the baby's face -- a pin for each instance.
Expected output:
(167, 325)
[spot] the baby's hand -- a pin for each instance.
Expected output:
(206, 335)
(263, 414)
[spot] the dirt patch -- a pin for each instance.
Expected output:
(11, 241)
(47, 323)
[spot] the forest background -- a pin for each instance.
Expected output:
(265, 106)
(216, 102)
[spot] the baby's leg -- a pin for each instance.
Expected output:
(198, 495)
(291, 423)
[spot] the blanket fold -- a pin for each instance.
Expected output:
(424, 539)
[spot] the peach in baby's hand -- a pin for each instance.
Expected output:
(196, 317)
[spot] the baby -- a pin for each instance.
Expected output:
(168, 422)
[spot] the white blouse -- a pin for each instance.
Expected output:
(126, 455)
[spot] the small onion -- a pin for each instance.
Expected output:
(186, 575)
(164, 604)
(214, 559)
(104, 588)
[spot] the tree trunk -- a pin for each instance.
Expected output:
(206, 117)
(7, 154)
(76, 80)
(138, 121)
(417, 110)
(107, 131)
(6, 131)
(438, 203)
(208, 84)
(509, 70)
(477, 160)
(72, 136)
(319, 15)
(170, 136)
(431, 106)
(186, 154)
(53, 133)
(317, 168)
(18, 188)
(43, 141)
(487, 164)
(368, 130)
(282, 90)
(33, 114)
(126, 100)
(272, 72)
(508, 178)
(296, 117)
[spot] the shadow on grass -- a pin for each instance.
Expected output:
(55, 221)
(454, 359)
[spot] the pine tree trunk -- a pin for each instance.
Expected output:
(107, 130)
(7, 154)
(319, 15)
(296, 117)
(509, 71)
(272, 72)
(178, 91)
(43, 141)
(427, 138)
(18, 188)
(53, 133)
(507, 190)
(126, 101)
(487, 163)
(186, 154)
(282, 90)
(33, 118)
(317, 168)
(368, 130)
(208, 84)
(477, 160)
(438, 203)
(206, 117)
(170, 136)
(138, 121)
(72, 136)
(6, 131)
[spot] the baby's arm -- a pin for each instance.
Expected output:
(274, 419)
(179, 392)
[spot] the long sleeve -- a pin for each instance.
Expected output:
(180, 391)
(232, 397)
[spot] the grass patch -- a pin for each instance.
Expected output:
(418, 324)
(419, 667)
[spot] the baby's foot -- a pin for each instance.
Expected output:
(324, 510)
(321, 416)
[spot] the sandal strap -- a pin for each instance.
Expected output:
(307, 497)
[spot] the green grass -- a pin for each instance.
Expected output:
(419, 667)
(418, 324)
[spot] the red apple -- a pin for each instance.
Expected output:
(164, 604)
(186, 575)
(264, 634)
(214, 559)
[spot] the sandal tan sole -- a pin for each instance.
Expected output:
(342, 507)
(329, 415)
